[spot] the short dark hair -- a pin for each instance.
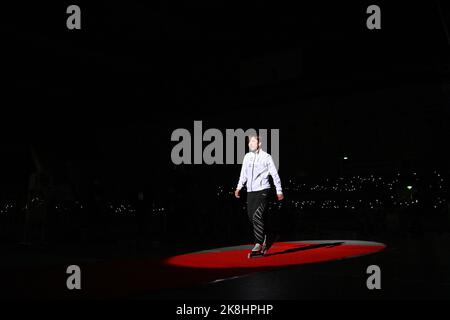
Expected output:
(250, 136)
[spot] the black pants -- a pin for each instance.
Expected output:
(257, 213)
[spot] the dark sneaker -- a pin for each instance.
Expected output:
(268, 242)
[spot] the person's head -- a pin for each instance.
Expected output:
(254, 142)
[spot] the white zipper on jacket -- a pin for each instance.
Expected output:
(253, 167)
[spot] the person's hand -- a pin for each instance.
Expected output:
(236, 193)
(280, 196)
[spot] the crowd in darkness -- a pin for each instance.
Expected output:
(367, 206)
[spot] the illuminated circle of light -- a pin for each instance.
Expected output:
(281, 254)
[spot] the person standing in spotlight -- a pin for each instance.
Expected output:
(256, 168)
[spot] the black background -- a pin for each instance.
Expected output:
(99, 105)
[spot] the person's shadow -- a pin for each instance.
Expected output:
(310, 247)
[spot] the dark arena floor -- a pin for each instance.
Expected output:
(291, 270)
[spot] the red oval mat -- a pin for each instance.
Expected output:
(281, 254)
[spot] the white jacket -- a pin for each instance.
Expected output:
(255, 171)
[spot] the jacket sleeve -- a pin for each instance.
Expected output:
(243, 175)
(274, 173)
